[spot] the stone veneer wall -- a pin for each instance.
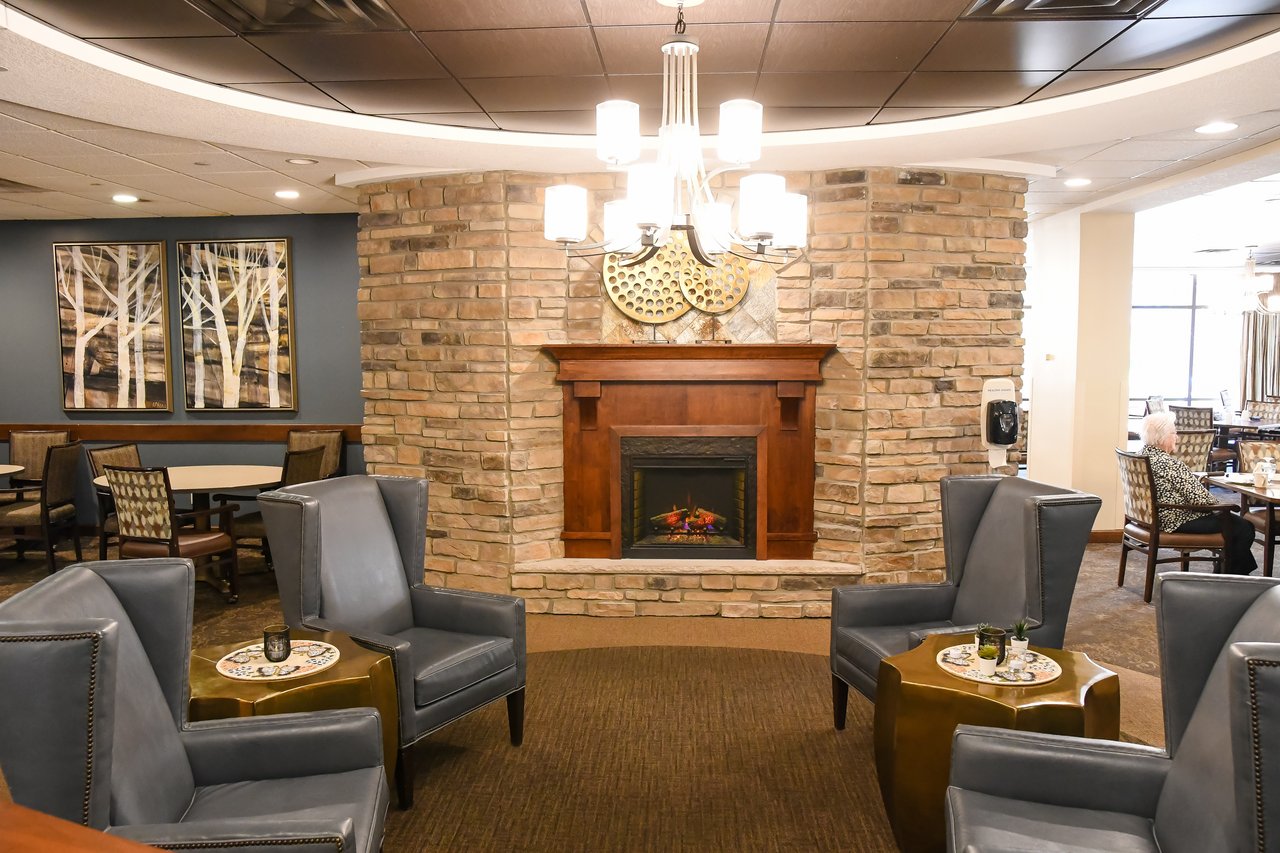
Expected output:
(916, 276)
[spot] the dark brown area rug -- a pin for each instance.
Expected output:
(658, 748)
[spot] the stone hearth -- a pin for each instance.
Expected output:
(914, 276)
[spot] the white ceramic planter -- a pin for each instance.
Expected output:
(987, 666)
(1018, 646)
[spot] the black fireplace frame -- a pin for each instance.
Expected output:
(685, 451)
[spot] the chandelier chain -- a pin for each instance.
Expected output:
(680, 19)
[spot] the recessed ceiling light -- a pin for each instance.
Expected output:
(1216, 127)
(124, 198)
(1076, 182)
(287, 193)
(302, 161)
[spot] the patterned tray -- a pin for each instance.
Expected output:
(306, 657)
(962, 661)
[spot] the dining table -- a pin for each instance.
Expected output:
(201, 481)
(1266, 498)
(7, 470)
(1236, 423)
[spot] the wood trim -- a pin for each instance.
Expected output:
(1105, 537)
(212, 433)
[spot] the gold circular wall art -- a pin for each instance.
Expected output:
(667, 285)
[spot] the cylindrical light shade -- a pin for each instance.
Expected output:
(741, 123)
(651, 193)
(564, 217)
(620, 231)
(713, 222)
(793, 229)
(759, 206)
(617, 131)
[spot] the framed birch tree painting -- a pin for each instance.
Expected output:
(113, 322)
(237, 334)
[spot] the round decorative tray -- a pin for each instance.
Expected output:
(306, 657)
(962, 662)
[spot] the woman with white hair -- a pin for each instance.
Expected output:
(1175, 484)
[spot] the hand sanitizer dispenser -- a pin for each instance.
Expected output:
(999, 416)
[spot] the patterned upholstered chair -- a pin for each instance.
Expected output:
(54, 510)
(150, 524)
(1199, 419)
(28, 448)
(300, 466)
(1155, 403)
(331, 440)
(121, 456)
(1253, 452)
(1269, 411)
(1142, 533)
(1195, 447)
(93, 694)
(1263, 518)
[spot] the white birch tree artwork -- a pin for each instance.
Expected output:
(236, 334)
(113, 322)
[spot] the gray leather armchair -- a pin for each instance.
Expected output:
(93, 695)
(1220, 655)
(1013, 549)
(349, 555)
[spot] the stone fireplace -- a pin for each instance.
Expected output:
(912, 280)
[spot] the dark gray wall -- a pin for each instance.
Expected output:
(325, 275)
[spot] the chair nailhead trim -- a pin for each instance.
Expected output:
(336, 840)
(1256, 737)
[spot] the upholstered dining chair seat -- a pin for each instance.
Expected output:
(867, 646)
(198, 544)
(445, 662)
(1000, 824)
(1176, 540)
(28, 512)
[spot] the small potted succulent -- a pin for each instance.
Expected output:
(1019, 640)
(989, 635)
(987, 659)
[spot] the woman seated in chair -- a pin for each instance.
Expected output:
(1175, 484)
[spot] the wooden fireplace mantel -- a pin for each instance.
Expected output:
(617, 389)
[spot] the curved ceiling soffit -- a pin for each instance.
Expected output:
(50, 70)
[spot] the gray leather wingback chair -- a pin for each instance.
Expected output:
(93, 699)
(1220, 660)
(1013, 549)
(349, 555)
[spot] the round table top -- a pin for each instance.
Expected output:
(209, 478)
(10, 469)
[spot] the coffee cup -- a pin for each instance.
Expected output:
(1259, 479)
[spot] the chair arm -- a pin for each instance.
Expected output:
(19, 494)
(1224, 509)
(870, 605)
(221, 498)
(283, 746)
(468, 612)
(401, 654)
(1057, 770)
(313, 832)
(226, 513)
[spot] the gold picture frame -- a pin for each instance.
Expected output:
(113, 326)
(236, 299)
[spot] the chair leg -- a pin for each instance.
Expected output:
(1152, 555)
(839, 701)
(515, 716)
(233, 576)
(50, 541)
(404, 777)
(1124, 560)
(1186, 560)
(102, 544)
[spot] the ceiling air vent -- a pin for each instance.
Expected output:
(8, 186)
(1033, 10)
(301, 16)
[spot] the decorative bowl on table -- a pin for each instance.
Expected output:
(306, 657)
(1026, 669)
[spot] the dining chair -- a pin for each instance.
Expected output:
(54, 510)
(28, 448)
(122, 456)
(1195, 448)
(1199, 418)
(300, 466)
(1155, 403)
(1142, 531)
(150, 524)
(331, 440)
(1261, 516)
(1266, 411)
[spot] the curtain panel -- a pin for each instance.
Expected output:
(1259, 357)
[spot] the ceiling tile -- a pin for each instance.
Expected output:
(297, 93)
(516, 53)
(217, 60)
(850, 47)
(1246, 126)
(489, 15)
(179, 208)
(721, 48)
(1062, 156)
(889, 115)
(215, 160)
(613, 13)
(137, 143)
(813, 118)
(249, 180)
(713, 89)
(968, 88)
(102, 164)
(562, 121)
(1092, 168)
(277, 161)
(25, 170)
(1208, 8)
(829, 89)
(538, 93)
(36, 143)
(402, 96)
(1143, 149)
(1079, 81)
(1019, 45)
(1172, 41)
(356, 56)
(53, 121)
(870, 10)
(1055, 185)
(89, 19)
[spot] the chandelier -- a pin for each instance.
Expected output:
(673, 194)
